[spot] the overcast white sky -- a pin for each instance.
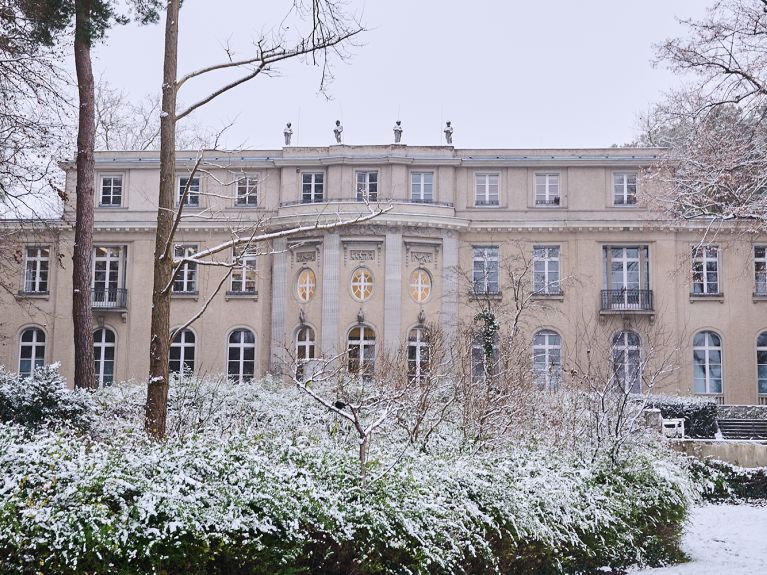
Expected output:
(507, 73)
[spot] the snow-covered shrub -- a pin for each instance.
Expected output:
(279, 491)
(721, 481)
(43, 399)
(699, 413)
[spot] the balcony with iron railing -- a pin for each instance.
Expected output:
(551, 202)
(109, 298)
(627, 300)
(361, 200)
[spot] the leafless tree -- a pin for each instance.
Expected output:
(123, 124)
(328, 28)
(714, 127)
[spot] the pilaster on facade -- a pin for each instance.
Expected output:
(279, 304)
(331, 288)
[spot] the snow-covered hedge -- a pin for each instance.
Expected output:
(721, 481)
(256, 479)
(699, 413)
(43, 400)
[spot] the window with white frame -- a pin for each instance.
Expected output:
(367, 186)
(305, 340)
(484, 364)
(312, 187)
(707, 362)
(361, 349)
(111, 191)
(362, 284)
(186, 278)
(104, 355)
(547, 190)
(241, 355)
(546, 278)
(624, 188)
(626, 278)
(418, 354)
(485, 270)
(247, 191)
(305, 349)
(190, 187)
(181, 358)
(243, 278)
(305, 285)
(486, 189)
(705, 270)
(36, 262)
(627, 362)
(31, 350)
(109, 276)
(420, 285)
(760, 270)
(422, 187)
(547, 359)
(761, 363)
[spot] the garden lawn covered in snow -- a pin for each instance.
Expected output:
(259, 478)
(722, 539)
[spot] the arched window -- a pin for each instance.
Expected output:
(418, 345)
(241, 365)
(182, 352)
(761, 363)
(627, 362)
(361, 349)
(362, 284)
(304, 343)
(304, 350)
(305, 286)
(707, 362)
(547, 359)
(420, 285)
(31, 351)
(104, 355)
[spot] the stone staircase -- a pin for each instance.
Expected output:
(743, 428)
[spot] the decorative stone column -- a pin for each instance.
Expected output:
(331, 291)
(450, 283)
(279, 303)
(393, 291)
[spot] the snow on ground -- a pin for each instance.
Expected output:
(722, 540)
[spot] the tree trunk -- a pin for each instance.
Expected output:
(157, 386)
(82, 316)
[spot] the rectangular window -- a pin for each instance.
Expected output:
(625, 188)
(546, 279)
(626, 278)
(705, 270)
(186, 278)
(312, 187)
(244, 274)
(109, 277)
(760, 270)
(36, 261)
(367, 186)
(422, 187)
(247, 192)
(486, 189)
(546, 189)
(485, 270)
(111, 191)
(192, 193)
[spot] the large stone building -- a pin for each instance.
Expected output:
(563, 233)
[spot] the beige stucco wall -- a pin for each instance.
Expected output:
(581, 225)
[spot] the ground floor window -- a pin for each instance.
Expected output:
(104, 355)
(182, 352)
(31, 351)
(241, 365)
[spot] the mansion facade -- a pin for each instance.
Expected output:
(563, 235)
